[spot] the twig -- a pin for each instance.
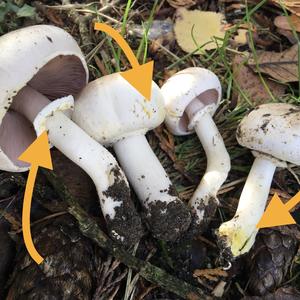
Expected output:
(83, 26)
(90, 229)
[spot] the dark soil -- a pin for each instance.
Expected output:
(127, 222)
(168, 221)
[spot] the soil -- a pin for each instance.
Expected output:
(171, 226)
(127, 222)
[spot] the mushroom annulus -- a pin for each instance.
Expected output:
(271, 131)
(112, 112)
(192, 96)
(41, 68)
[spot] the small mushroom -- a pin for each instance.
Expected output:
(114, 113)
(43, 63)
(271, 131)
(192, 97)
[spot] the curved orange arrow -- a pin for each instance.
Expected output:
(140, 76)
(277, 213)
(38, 155)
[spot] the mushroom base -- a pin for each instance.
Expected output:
(124, 214)
(234, 243)
(203, 213)
(167, 221)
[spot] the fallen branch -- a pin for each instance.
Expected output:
(89, 227)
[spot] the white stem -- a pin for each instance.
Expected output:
(167, 216)
(93, 158)
(238, 235)
(143, 170)
(218, 166)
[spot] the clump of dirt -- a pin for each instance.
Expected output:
(126, 227)
(168, 221)
(208, 208)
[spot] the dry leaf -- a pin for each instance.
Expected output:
(288, 34)
(241, 37)
(210, 274)
(219, 290)
(285, 23)
(251, 85)
(181, 3)
(202, 25)
(292, 5)
(281, 66)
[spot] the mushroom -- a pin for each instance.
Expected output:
(112, 112)
(192, 97)
(39, 64)
(271, 131)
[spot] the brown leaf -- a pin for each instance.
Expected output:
(292, 5)
(289, 35)
(181, 3)
(284, 22)
(251, 85)
(282, 66)
(210, 274)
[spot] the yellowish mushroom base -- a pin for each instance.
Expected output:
(234, 240)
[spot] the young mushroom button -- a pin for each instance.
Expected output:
(39, 64)
(114, 113)
(272, 132)
(192, 97)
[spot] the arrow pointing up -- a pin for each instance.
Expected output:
(277, 213)
(38, 155)
(140, 76)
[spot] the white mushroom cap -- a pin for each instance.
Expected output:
(110, 109)
(273, 129)
(39, 56)
(185, 87)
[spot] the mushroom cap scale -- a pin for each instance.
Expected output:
(185, 87)
(110, 109)
(40, 56)
(272, 129)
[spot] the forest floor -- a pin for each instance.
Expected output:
(250, 73)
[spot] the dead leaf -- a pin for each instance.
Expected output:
(288, 34)
(251, 85)
(219, 290)
(282, 66)
(181, 3)
(210, 274)
(291, 5)
(241, 37)
(202, 25)
(285, 23)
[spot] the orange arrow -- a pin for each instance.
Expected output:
(277, 213)
(140, 76)
(38, 155)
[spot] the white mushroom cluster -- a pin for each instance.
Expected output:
(112, 112)
(44, 87)
(41, 70)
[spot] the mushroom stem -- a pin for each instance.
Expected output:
(94, 159)
(237, 236)
(204, 200)
(168, 216)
